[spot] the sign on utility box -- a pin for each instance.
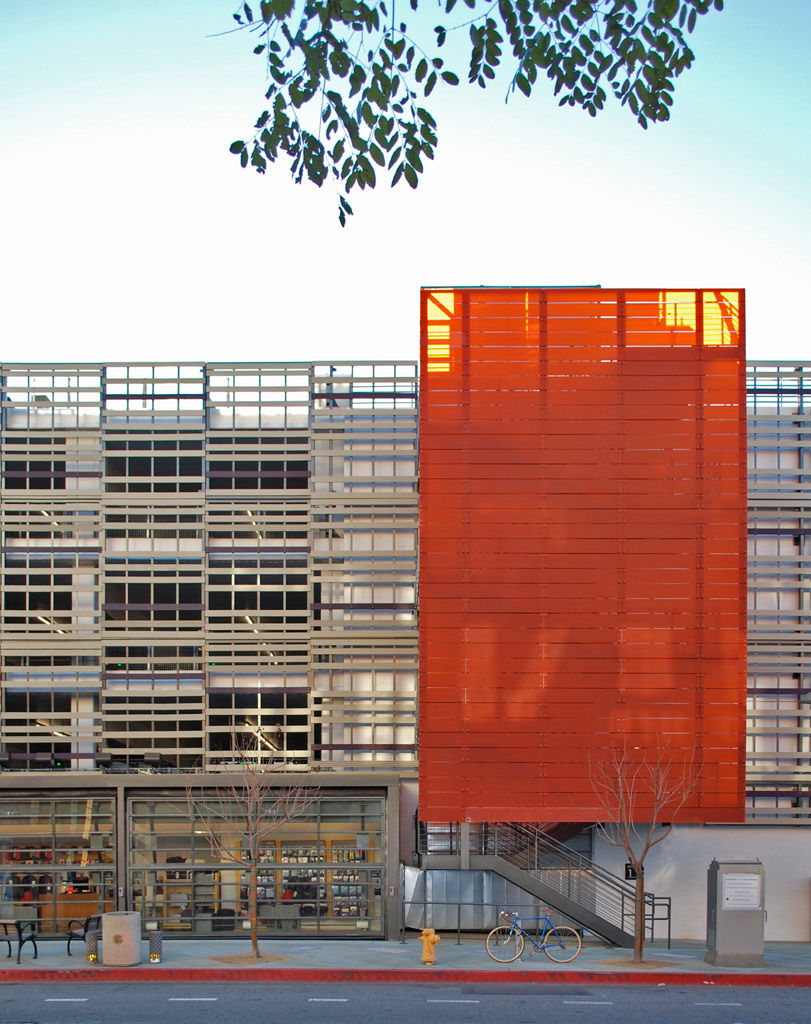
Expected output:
(736, 911)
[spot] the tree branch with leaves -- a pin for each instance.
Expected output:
(348, 79)
(622, 780)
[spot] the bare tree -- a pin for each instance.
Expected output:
(622, 779)
(240, 815)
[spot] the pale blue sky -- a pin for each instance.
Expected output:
(129, 231)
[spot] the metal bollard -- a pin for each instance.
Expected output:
(91, 943)
(429, 941)
(155, 947)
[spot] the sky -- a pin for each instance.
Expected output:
(129, 232)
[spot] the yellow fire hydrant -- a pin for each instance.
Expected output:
(429, 942)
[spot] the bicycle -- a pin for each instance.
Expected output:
(505, 943)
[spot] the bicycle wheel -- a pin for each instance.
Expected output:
(504, 944)
(562, 944)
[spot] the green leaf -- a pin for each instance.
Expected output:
(367, 172)
(413, 157)
(376, 155)
(422, 70)
(237, 147)
(248, 12)
(522, 84)
(429, 85)
(356, 79)
(410, 175)
(449, 78)
(650, 74)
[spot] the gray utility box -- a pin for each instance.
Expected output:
(736, 911)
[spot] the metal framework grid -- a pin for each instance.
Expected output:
(193, 552)
(779, 692)
(582, 545)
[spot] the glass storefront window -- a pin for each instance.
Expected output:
(56, 860)
(321, 873)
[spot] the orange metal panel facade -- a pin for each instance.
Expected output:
(582, 545)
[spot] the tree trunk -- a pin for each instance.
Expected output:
(252, 910)
(639, 915)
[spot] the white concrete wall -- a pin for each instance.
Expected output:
(677, 867)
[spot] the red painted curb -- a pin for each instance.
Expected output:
(414, 976)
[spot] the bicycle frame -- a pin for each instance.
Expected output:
(516, 927)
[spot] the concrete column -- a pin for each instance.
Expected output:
(464, 845)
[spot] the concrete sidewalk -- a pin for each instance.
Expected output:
(787, 963)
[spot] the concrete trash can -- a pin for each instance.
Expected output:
(121, 938)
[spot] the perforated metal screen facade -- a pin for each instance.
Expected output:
(779, 705)
(199, 557)
(582, 548)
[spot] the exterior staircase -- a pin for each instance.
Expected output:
(541, 865)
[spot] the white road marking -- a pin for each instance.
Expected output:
(717, 1004)
(193, 999)
(588, 1002)
(452, 1000)
(311, 1000)
(68, 1000)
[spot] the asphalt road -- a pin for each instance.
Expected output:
(352, 1003)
